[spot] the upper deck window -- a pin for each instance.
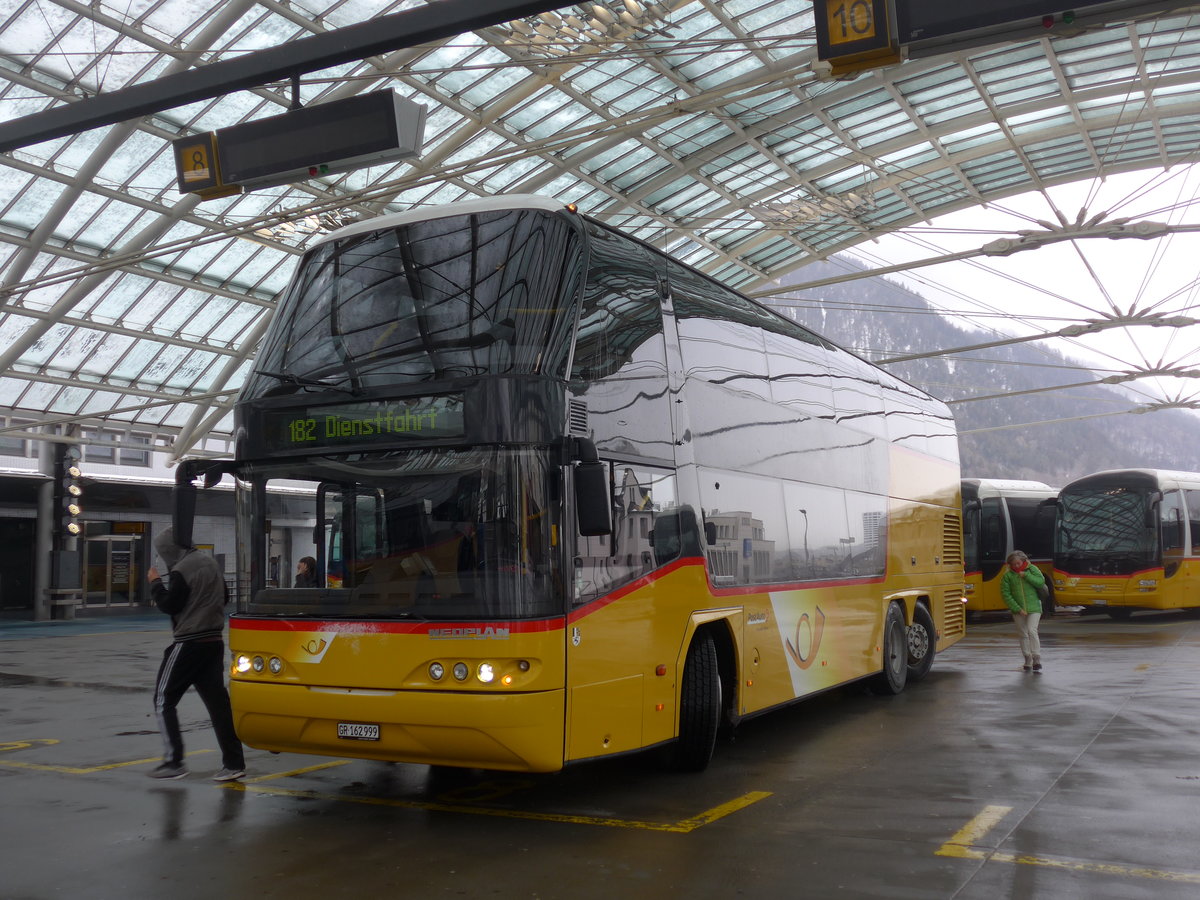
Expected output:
(490, 293)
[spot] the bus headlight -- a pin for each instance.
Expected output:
(461, 671)
(257, 663)
(486, 673)
(242, 664)
(275, 665)
(436, 671)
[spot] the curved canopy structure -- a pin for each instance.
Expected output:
(696, 125)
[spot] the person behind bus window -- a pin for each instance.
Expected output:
(306, 572)
(1019, 587)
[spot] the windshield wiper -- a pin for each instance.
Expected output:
(301, 381)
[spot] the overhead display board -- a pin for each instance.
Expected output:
(853, 35)
(317, 140)
(928, 27)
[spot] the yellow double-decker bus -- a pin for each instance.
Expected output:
(1129, 539)
(1000, 516)
(567, 498)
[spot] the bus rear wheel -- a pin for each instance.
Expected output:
(699, 707)
(895, 654)
(922, 644)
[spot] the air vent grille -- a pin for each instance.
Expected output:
(577, 418)
(952, 551)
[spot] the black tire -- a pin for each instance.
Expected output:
(699, 707)
(895, 654)
(1119, 614)
(922, 644)
(1048, 605)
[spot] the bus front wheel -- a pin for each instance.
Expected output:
(895, 654)
(922, 644)
(699, 707)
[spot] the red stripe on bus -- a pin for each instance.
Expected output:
(1156, 570)
(739, 591)
(391, 627)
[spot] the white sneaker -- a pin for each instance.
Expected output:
(229, 775)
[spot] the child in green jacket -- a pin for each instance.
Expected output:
(1019, 587)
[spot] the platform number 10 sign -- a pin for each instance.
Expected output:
(850, 20)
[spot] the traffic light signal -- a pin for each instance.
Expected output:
(71, 493)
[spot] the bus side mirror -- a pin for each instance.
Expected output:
(593, 506)
(183, 497)
(710, 533)
(1151, 514)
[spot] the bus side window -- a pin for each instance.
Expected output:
(1193, 514)
(994, 538)
(1171, 521)
(643, 498)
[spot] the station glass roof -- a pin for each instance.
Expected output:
(697, 125)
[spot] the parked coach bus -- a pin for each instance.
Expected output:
(1000, 516)
(1129, 539)
(568, 498)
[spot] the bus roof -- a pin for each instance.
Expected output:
(426, 213)
(1007, 484)
(1134, 477)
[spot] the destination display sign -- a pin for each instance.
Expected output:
(364, 422)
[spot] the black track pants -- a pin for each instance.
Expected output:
(200, 664)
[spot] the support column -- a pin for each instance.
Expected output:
(44, 535)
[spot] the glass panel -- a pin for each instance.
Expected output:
(447, 297)
(1104, 531)
(1170, 513)
(1032, 526)
(420, 534)
(621, 312)
(645, 535)
(1193, 514)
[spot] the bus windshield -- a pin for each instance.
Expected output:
(445, 534)
(1105, 529)
(444, 298)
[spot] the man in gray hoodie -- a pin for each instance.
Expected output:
(195, 601)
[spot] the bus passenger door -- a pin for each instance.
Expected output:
(994, 538)
(1172, 533)
(616, 637)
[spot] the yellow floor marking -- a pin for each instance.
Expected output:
(6, 746)
(76, 770)
(960, 846)
(682, 827)
(256, 785)
(327, 765)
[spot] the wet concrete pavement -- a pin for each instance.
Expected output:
(980, 782)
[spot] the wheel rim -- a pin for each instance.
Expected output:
(918, 643)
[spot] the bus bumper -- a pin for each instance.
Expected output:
(515, 732)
